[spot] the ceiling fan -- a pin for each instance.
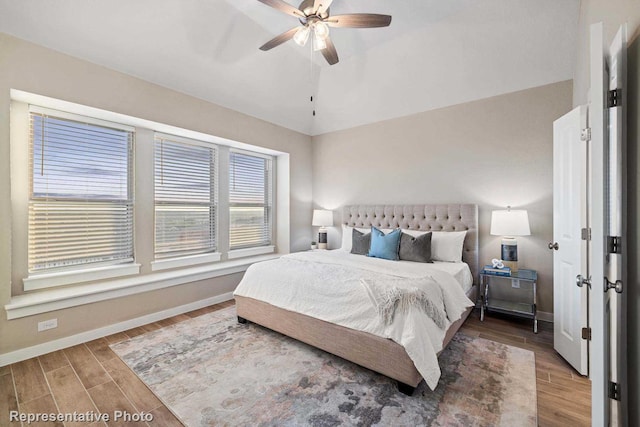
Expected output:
(315, 19)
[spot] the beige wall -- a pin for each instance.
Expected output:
(613, 13)
(42, 71)
(494, 152)
(21, 333)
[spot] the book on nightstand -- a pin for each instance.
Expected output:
(489, 269)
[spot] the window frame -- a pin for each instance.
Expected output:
(142, 183)
(62, 275)
(234, 253)
(185, 259)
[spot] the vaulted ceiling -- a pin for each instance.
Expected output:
(435, 53)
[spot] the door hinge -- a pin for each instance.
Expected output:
(614, 245)
(586, 334)
(585, 135)
(614, 98)
(586, 234)
(614, 390)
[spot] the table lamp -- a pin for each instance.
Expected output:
(322, 219)
(509, 223)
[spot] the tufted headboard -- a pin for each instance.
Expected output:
(449, 217)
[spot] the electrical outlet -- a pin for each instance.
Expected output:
(47, 324)
(515, 283)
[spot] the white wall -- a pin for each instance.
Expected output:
(35, 69)
(494, 152)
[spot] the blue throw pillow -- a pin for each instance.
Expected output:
(385, 246)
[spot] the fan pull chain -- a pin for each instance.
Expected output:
(313, 109)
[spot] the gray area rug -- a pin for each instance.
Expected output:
(211, 370)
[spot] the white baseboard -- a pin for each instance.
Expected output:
(545, 316)
(59, 344)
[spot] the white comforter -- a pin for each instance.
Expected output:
(326, 285)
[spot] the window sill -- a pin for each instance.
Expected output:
(57, 299)
(51, 280)
(260, 250)
(185, 261)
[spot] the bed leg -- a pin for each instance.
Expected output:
(242, 320)
(406, 389)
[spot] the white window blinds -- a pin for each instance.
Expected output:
(250, 200)
(185, 197)
(81, 204)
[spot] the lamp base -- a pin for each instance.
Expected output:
(322, 238)
(510, 253)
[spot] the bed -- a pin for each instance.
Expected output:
(364, 344)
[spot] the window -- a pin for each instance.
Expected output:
(86, 183)
(185, 197)
(250, 200)
(80, 204)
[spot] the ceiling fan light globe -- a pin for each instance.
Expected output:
(321, 29)
(319, 43)
(302, 35)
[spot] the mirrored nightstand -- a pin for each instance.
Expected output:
(524, 282)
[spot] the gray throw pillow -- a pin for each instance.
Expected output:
(360, 242)
(416, 249)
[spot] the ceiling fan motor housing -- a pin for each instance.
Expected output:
(307, 8)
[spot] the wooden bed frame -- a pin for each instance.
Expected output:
(378, 354)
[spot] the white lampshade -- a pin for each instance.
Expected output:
(322, 218)
(319, 43)
(321, 29)
(302, 35)
(510, 222)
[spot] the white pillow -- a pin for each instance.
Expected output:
(347, 233)
(447, 245)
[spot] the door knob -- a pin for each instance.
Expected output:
(581, 281)
(617, 285)
(554, 246)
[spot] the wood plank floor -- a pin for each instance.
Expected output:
(564, 396)
(91, 378)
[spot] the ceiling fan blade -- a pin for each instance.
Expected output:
(359, 20)
(321, 6)
(278, 40)
(329, 52)
(283, 6)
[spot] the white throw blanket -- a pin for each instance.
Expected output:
(326, 285)
(389, 297)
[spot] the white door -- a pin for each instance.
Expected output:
(570, 250)
(615, 301)
(598, 356)
(607, 121)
